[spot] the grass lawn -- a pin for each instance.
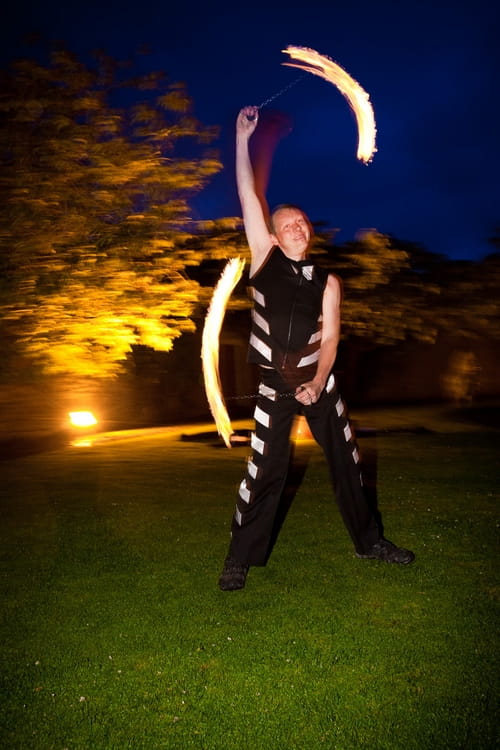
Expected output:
(115, 635)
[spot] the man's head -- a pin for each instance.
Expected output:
(291, 230)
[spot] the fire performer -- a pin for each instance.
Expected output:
(294, 338)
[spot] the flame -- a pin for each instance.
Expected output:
(359, 101)
(210, 345)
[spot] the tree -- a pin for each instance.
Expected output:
(369, 268)
(396, 290)
(97, 169)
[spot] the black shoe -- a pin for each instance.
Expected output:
(234, 575)
(388, 552)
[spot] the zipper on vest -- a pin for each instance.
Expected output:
(292, 311)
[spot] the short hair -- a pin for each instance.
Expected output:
(282, 206)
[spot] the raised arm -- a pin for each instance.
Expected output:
(253, 210)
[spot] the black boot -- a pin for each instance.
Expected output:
(233, 575)
(388, 552)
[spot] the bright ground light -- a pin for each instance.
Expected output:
(82, 418)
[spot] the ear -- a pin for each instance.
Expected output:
(274, 239)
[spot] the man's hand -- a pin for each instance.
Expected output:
(308, 393)
(247, 121)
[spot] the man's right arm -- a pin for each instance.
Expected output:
(254, 217)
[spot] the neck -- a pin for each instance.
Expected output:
(294, 255)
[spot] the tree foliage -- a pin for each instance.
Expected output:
(97, 169)
(395, 290)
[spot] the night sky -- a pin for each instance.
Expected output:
(431, 69)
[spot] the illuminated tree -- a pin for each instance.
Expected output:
(469, 303)
(396, 290)
(95, 229)
(371, 267)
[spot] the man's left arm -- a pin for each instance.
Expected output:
(332, 297)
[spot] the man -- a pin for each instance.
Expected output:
(294, 339)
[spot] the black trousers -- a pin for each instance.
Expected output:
(261, 489)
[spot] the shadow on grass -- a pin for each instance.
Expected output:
(297, 467)
(300, 455)
(484, 415)
(29, 445)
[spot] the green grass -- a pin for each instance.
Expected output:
(115, 634)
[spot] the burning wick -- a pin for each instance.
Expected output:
(210, 346)
(357, 98)
(359, 101)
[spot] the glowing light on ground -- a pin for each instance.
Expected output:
(358, 99)
(210, 346)
(82, 443)
(300, 429)
(82, 418)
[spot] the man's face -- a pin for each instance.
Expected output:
(292, 232)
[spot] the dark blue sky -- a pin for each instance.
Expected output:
(431, 69)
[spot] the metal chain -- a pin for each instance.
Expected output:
(287, 394)
(282, 91)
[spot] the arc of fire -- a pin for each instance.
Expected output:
(358, 99)
(210, 345)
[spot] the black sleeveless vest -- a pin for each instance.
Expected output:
(287, 316)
